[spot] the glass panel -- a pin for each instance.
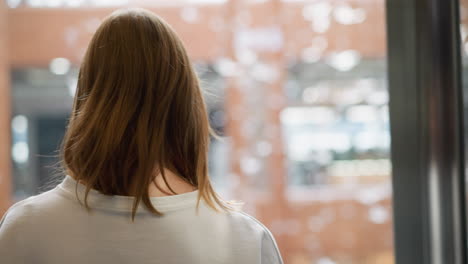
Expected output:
(297, 89)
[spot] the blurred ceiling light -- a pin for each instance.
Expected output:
(257, 1)
(260, 39)
(362, 114)
(344, 60)
(370, 196)
(72, 83)
(360, 15)
(364, 167)
(307, 115)
(311, 54)
(19, 124)
(385, 140)
(378, 214)
(189, 14)
(13, 3)
(310, 12)
(59, 66)
(465, 47)
(246, 56)
(301, 145)
(104, 3)
(321, 24)
(314, 52)
(250, 165)
(34, 3)
(345, 98)
(205, 1)
(366, 84)
(74, 3)
(463, 32)
(226, 67)
(384, 114)
(310, 95)
(325, 260)
(20, 152)
(319, 15)
(264, 73)
(346, 15)
(367, 140)
(320, 92)
(378, 97)
(53, 3)
(369, 167)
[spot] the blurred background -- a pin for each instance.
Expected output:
(296, 88)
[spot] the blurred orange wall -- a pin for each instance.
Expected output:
(5, 179)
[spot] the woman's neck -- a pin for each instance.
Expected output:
(159, 188)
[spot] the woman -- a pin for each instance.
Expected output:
(135, 155)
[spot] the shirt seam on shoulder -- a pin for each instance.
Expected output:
(270, 235)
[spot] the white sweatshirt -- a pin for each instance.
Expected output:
(54, 228)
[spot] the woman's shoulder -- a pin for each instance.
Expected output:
(26, 223)
(246, 223)
(28, 210)
(244, 219)
(16, 223)
(240, 220)
(252, 226)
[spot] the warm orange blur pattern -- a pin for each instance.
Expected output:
(310, 231)
(33, 45)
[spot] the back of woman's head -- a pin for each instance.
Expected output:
(138, 110)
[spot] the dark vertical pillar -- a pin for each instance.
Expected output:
(426, 126)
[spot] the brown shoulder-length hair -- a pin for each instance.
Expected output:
(138, 110)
